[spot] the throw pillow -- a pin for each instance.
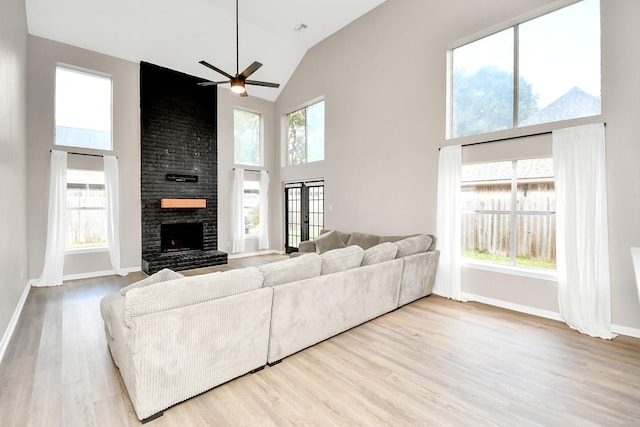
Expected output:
(328, 241)
(342, 259)
(365, 241)
(161, 276)
(379, 253)
(413, 245)
(290, 270)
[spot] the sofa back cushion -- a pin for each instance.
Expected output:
(413, 245)
(189, 291)
(379, 253)
(161, 276)
(342, 259)
(365, 241)
(292, 269)
(328, 241)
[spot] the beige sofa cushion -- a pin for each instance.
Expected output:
(379, 253)
(413, 245)
(328, 241)
(161, 276)
(190, 290)
(292, 269)
(342, 259)
(365, 241)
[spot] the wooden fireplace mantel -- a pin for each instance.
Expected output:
(183, 203)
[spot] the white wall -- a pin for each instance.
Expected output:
(13, 168)
(384, 80)
(44, 55)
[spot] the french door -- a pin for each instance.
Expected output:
(304, 212)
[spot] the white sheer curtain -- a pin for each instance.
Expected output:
(112, 193)
(52, 270)
(582, 233)
(237, 211)
(449, 222)
(264, 210)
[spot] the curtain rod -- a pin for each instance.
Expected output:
(252, 170)
(84, 154)
(507, 138)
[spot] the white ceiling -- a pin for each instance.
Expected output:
(177, 35)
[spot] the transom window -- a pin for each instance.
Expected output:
(86, 209)
(508, 213)
(83, 109)
(305, 134)
(543, 70)
(247, 138)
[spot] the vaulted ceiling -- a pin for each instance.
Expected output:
(177, 34)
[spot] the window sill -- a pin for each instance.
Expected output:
(534, 273)
(88, 250)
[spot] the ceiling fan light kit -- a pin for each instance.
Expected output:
(237, 85)
(238, 81)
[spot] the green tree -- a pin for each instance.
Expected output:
(483, 101)
(296, 137)
(246, 134)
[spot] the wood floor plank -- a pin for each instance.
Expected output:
(433, 362)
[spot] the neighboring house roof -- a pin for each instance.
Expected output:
(536, 169)
(573, 104)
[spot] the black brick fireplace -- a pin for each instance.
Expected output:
(178, 162)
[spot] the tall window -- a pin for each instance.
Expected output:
(555, 59)
(305, 134)
(86, 209)
(83, 109)
(246, 138)
(251, 208)
(508, 213)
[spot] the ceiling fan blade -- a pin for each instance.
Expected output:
(212, 83)
(216, 69)
(259, 83)
(251, 69)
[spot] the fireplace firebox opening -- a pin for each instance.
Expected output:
(181, 237)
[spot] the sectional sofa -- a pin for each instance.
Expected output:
(173, 337)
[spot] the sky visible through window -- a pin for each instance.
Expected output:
(82, 109)
(552, 68)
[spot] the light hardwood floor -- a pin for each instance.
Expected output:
(433, 362)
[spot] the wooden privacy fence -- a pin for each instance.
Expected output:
(86, 217)
(485, 231)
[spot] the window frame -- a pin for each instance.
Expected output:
(91, 73)
(513, 214)
(260, 138)
(304, 106)
(511, 23)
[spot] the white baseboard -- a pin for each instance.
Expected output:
(14, 321)
(515, 307)
(625, 330)
(93, 274)
(617, 329)
(248, 254)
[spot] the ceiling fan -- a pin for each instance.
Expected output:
(238, 81)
